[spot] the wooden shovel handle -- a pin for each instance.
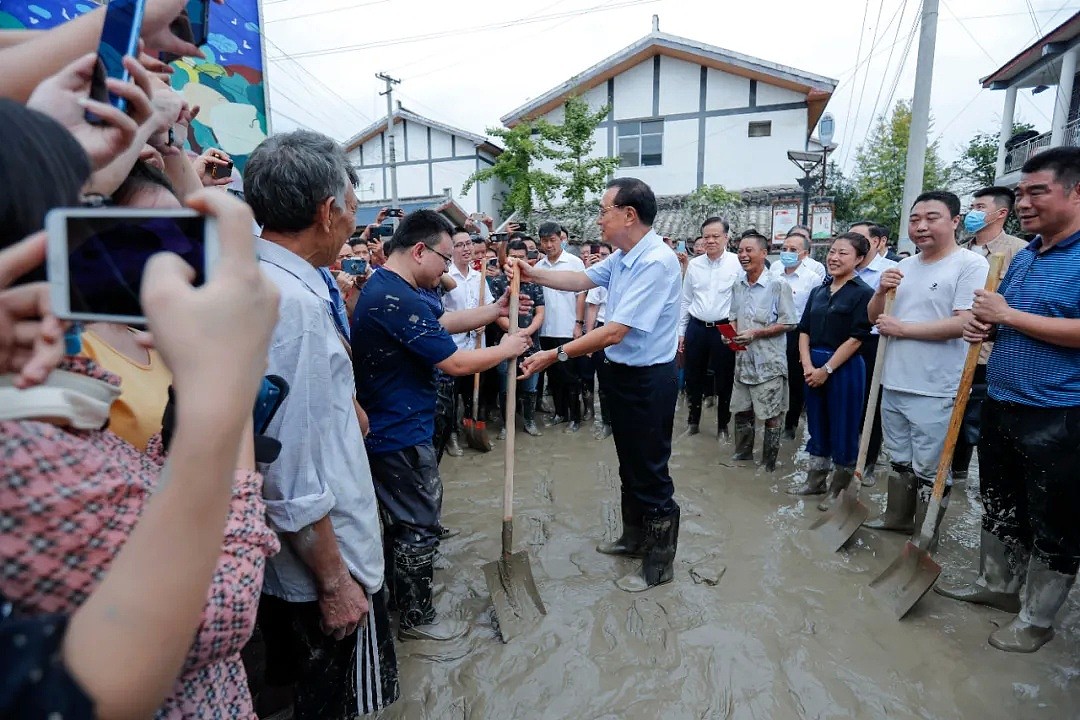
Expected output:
(875, 391)
(479, 338)
(963, 392)
(511, 408)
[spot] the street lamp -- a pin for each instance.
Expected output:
(808, 162)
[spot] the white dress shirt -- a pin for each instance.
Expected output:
(707, 288)
(465, 297)
(560, 306)
(871, 274)
(801, 281)
(815, 266)
(598, 296)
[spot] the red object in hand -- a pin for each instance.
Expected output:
(478, 265)
(729, 334)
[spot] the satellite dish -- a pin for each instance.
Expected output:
(826, 128)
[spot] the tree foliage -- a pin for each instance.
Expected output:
(525, 146)
(977, 165)
(584, 174)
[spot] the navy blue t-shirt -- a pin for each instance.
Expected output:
(396, 342)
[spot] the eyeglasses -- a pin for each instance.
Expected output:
(604, 209)
(446, 260)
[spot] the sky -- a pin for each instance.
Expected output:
(469, 62)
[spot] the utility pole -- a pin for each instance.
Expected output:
(920, 117)
(389, 93)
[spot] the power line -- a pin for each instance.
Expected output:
(866, 70)
(858, 54)
(327, 12)
(1034, 20)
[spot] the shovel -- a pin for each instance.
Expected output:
(914, 572)
(476, 430)
(516, 600)
(840, 522)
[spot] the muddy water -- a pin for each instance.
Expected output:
(789, 631)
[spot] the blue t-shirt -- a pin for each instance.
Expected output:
(396, 342)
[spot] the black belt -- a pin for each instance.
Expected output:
(622, 366)
(709, 324)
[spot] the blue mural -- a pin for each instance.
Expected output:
(228, 85)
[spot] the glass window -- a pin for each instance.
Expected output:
(629, 128)
(629, 151)
(759, 129)
(652, 149)
(641, 143)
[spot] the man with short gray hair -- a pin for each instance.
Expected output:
(327, 581)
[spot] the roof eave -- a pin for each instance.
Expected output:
(1032, 55)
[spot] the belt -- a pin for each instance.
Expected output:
(709, 323)
(622, 366)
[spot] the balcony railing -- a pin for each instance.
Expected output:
(1015, 158)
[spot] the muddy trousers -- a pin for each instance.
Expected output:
(796, 387)
(968, 439)
(564, 381)
(704, 349)
(1029, 466)
(834, 410)
(641, 401)
(445, 415)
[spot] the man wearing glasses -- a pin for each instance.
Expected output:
(398, 341)
(639, 341)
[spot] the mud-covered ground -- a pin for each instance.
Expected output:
(789, 631)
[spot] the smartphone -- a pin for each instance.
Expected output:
(198, 12)
(680, 246)
(119, 39)
(395, 213)
(594, 249)
(272, 393)
(96, 257)
(383, 231)
(532, 254)
(221, 171)
(354, 266)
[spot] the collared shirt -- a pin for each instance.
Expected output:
(871, 274)
(1006, 245)
(707, 288)
(831, 318)
(815, 266)
(801, 282)
(598, 296)
(322, 468)
(1029, 371)
(466, 296)
(560, 306)
(766, 302)
(643, 294)
(341, 315)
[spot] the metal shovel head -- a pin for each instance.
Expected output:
(514, 595)
(838, 525)
(906, 580)
(476, 435)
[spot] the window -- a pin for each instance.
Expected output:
(760, 129)
(641, 143)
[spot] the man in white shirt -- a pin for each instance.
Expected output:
(706, 303)
(925, 355)
(564, 321)
(465, 296)
(795, 269)
(804, 232)
(595, 317)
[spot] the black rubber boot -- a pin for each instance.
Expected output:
(528, 411)
(588, 409)
(771, 447)
(694, 415)
(413, 575)
(1002, 564)
(631, 542)
(922, 504)
(841, 478)
(816, 477)
(899, 515)
(1045, 591)
(658, 566)
(744, 440)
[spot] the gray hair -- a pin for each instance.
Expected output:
(287, 176)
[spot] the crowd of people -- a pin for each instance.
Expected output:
(162, 555)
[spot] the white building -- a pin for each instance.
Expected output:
(1049, 63)
(433, 161)
(685, 114)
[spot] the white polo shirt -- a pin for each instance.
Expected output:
(465, 297)
(560, 306)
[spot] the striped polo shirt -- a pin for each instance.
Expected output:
(1022, 369)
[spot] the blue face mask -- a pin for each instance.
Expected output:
(789, 259)
(974, 221)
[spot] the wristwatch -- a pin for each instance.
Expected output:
(561, 354)
(828, 369)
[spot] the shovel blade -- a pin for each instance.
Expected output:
(476, 436)
(838, 525)
(514, 596)
(906, 580)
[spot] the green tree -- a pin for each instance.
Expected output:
(977, 165)
(583, 174)
(525, 146)
(844, 195)
(880, 165)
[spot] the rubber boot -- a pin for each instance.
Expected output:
(744, 440)
(841, 478)
(502, 404)
(588, 409)
(528, 411)
(1045, 591)
(631, 542)
(602, 432)
(658, 566)
(922, 504)
(453, 445)
(771, 447)
(413, 574)
(899, 515)
(869, 476)
(816, 477)
(1001, 570)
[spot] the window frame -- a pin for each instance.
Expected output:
(636, 130)
(761, 125)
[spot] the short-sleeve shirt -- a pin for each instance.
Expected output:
(832, 318)
(802, 281)
(560, 315)
(533, 291)
(766, 303)
(929, 292)
(397, 341)
(1021, 368)
(643, 294)
(466, 296)
(598, 296)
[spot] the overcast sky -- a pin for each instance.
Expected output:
(468, 73)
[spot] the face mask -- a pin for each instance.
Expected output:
(789, 259)
(974, 221)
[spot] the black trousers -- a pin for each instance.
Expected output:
(968, 438)
(1029, 465)
(564, 381)
(445, 414)
(705, 348)
(409, 491)
(796, 386)
(868, 351)
(641, 402)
